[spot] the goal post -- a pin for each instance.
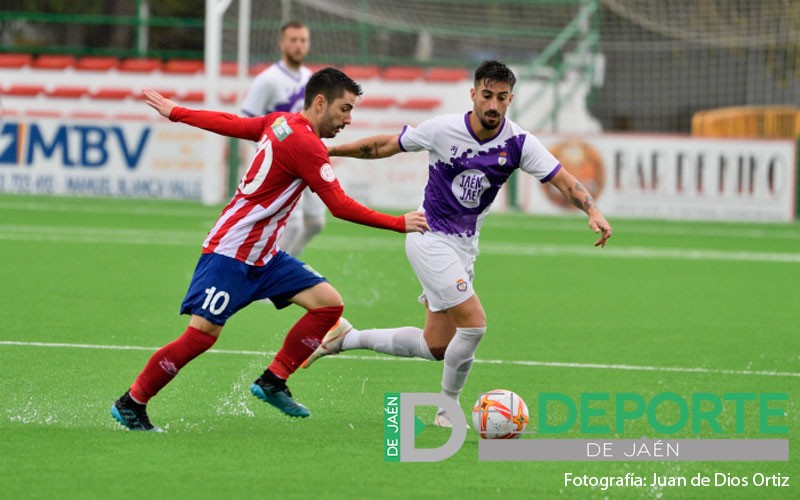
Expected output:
(218, 172)
(221, 174)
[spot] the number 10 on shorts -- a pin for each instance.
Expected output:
(216, 302)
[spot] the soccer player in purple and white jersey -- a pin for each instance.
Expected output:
(281, 87)
(470, 157)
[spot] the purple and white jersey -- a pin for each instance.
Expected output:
(466, 173)
(277, 88)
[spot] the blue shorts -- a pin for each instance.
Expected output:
(222, 285)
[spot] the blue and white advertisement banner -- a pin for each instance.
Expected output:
(140, 159)
(660, 177)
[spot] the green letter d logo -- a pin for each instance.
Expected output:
(408, 402)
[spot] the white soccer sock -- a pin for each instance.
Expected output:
(406, 341)
(458, 359)
(291, 233)
(298, 233)
(300, 239)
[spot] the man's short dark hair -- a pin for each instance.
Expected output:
(331, 83)
(494, 71)
(291, 24)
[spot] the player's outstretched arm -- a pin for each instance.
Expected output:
(573, 190)
(369, 148)
(219, 122)
(344, 207)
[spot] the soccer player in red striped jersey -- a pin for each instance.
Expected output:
(281, 87)
(241, 261)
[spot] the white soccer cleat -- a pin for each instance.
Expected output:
(442, 419)
(331, 342)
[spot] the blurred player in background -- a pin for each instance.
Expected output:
(281, 88)
(240, 260)
(470, 157)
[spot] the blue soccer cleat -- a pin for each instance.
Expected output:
(273, 390)
(132, 415)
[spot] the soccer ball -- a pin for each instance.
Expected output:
(500, 414)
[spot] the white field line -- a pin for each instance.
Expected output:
(517, 222)
(339, 243)
(639, 253)
(548, 364)
(578, 225)
(105, 208)
(81, 234)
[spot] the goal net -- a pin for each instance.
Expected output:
(420, 32)
(661, 61)
(665, 60)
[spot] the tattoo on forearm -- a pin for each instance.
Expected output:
(365, 151)
(587, 203)
(575, 201)
(368, 151)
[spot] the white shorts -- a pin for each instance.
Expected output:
(445, 272)
(309, 206)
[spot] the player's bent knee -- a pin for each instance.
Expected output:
(319, 295)
(468, 314)
(329, 296)
(205, 326)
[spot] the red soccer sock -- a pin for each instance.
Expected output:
(167, 361)
(303, 338)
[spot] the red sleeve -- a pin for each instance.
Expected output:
(344, 207)
(312, 164)
(226, 124)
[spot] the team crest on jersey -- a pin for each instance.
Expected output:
(281, 129)
(461, 286)
(501, 160)
(326, 172)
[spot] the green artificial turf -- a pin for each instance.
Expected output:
(91, 287)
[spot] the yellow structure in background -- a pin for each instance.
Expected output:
(769, 122)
